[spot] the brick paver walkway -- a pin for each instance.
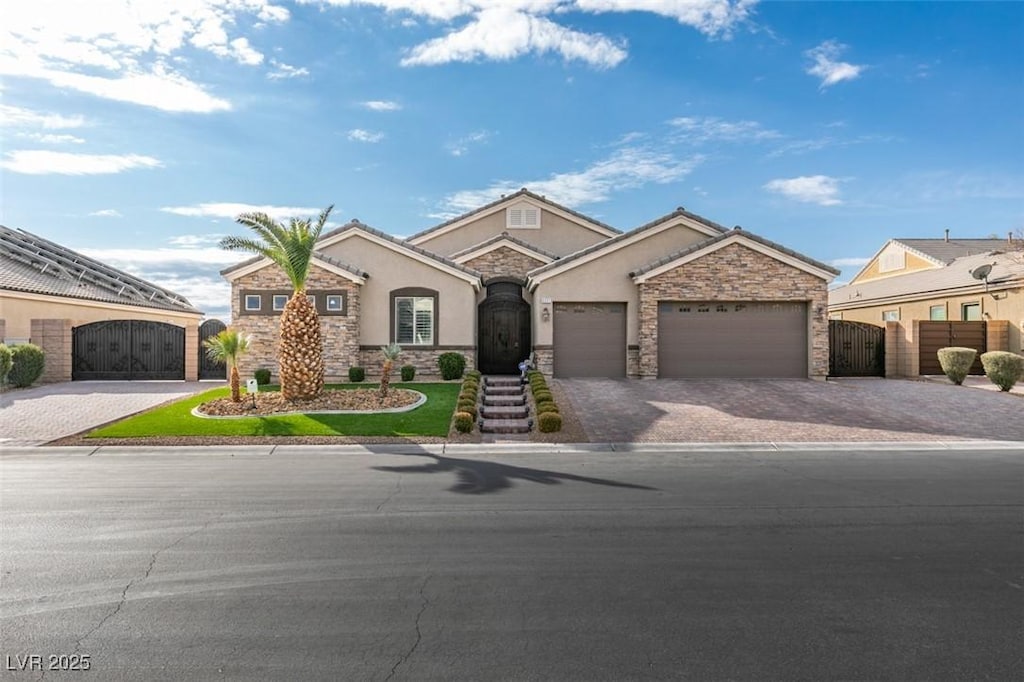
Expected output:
(768, 410)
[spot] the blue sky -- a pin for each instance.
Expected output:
(136, 131)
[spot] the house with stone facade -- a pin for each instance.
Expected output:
(680, 296)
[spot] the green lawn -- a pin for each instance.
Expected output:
(430, 419)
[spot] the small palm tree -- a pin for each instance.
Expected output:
(227, 347)
(390, 353)
(300, 354)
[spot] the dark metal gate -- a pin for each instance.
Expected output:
(504, 325)
(856, 349)
(210, 369)
(936, 335)
(128, 349)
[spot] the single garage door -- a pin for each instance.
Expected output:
(590, 339)
(128, 349)
(732, 339)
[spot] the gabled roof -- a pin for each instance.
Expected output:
(499, 240)
(587, 221)
(681, 217)
(735, 235)
(327, 262)
(31, 264)
(399, 245)
(948, 251)
(955, 278)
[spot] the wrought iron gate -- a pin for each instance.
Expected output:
(128, 349)
(210, 369)
(856, 349)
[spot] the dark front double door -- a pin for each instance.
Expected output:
(503, 321)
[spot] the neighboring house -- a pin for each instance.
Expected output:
(92, 321)
(914, 280)
(678, 297)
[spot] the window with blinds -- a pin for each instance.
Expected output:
(414, 320)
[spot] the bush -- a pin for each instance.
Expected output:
(356, 374)
(27, 363)
(463, 402)
(474, 374)
(408, 372)
(262, 376)
(452, 365)
(468, 408)
(1002, 368)
(463, 422)
(546, 406)
(956, 362)
(549, 422)
(543, 394)
(5, 363)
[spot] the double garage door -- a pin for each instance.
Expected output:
(695, 339)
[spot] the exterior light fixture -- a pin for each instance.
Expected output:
(545, 314)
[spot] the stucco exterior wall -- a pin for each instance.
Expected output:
(607, 279)
(912, 263)
(735, 273)
(556, 234)
(340, 332)
(503, 262)
(999, 305)
(390, 270)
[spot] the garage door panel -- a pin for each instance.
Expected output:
(590, 339)
(732, 339)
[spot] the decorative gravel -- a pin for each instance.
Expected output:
(271, 403)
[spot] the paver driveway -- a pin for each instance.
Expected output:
(40, 414)
(791, 410)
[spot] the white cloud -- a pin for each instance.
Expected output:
(810, 189)
(849, 262)
(708, 129)
(626, 168)
(360, 135)
(503, 34)
(107, 213)
(195, 240)
(710, 17)
(44, 162)
(286, 71)
(232, 210)
(827, 68)
(122, 49)
(16, 117)
(382, 105)
(50, 138)
(460, 146)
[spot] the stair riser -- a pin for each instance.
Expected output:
(505, 412)
(504, 401)
(503, 390)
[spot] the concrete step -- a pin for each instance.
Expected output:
(503, 390)
(509, 412)
(503, 400)
(502, 381)
(505, 425)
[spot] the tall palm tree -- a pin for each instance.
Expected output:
(390, 353)
(300, 354)
(227, 346)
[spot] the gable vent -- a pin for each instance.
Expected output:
(522, 216)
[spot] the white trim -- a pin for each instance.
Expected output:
(477, 215)
(264, 262)
(950, 292)
(92, 303)
(894, 273)
(504, 241)
(273, 302)
(327, 303)
(626, 240)
(398, 248)
(249, 309)
(739, 238)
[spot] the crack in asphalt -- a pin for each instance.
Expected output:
(134, 581)
(397, 489)
(419, 635)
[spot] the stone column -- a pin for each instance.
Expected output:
(54, 337)
(192, 351)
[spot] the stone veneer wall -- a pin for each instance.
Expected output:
(340, 332)
(424, 360)
(545, 356)
(734, 273)
(503, 262)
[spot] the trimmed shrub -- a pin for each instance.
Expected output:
(468, 408)
(356, 374)
(549, 422)
(27, 363)
(474, 374)
(467, 395)
(546, 406)
(463, 422)
(543, 394)
(1002, 368)
(262, 376)
(6, 361)
(451, 364)
(408, 372)
(956, 362)
(465, 402)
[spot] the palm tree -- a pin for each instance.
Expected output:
(390, 353)
(300, 354)
(226, 347)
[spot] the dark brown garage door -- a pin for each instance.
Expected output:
(590, 339)
(732, 339)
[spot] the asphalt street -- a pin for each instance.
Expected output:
(477, 565)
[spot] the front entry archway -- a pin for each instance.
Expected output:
(503, 320)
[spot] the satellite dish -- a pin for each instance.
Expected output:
(981, 272)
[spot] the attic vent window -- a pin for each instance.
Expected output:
(892, 259)
(522, 216)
